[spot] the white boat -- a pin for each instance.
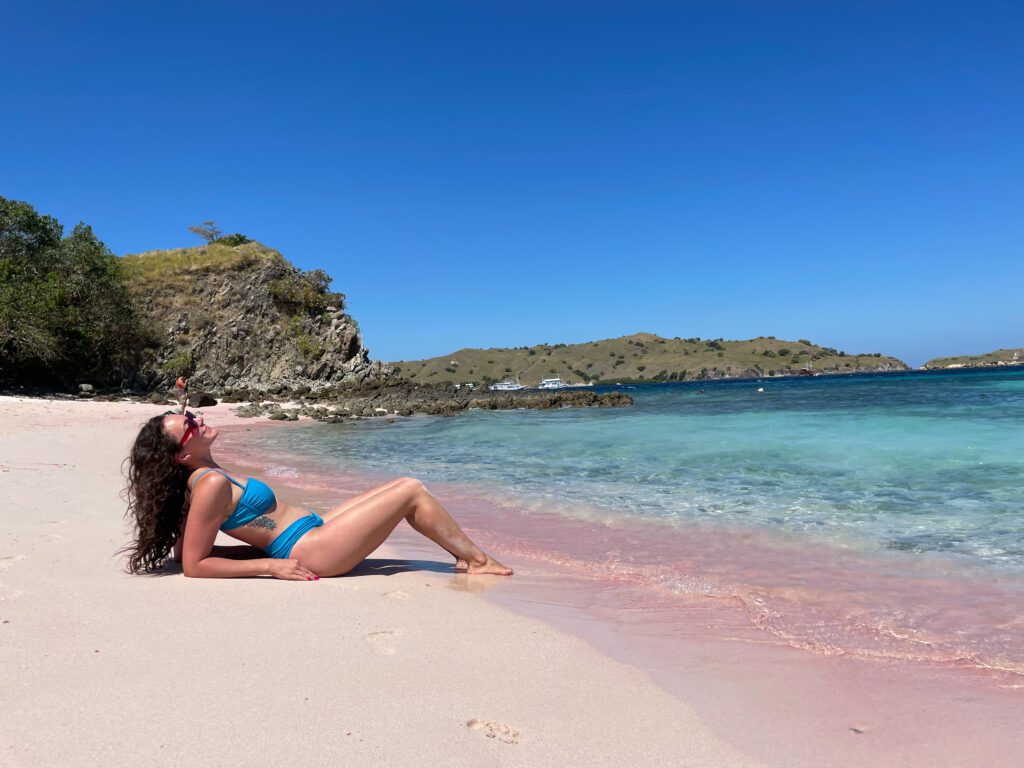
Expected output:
(508, 385)
(555, 383)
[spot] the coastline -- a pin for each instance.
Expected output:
(411, 666)
(798, 705)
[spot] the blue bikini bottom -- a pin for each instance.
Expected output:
(281, 547)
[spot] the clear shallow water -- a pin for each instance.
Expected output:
(920, 463)
(874, 516)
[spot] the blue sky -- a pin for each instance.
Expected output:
(499, 174)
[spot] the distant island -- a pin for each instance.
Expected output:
(999, 357)
(642, 357)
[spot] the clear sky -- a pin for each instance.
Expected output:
(506, 173)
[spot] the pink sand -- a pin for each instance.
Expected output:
(795, 655)
(400, 665)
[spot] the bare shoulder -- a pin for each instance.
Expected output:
(207, 486)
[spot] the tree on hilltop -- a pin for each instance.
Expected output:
(208, 230)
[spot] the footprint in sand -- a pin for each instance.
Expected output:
(381, 641)
(9, 593)
(492, 729)
(7, 562)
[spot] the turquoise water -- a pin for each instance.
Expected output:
(918, 462)
(878, 516)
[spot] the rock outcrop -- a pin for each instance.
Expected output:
(403, 399)
(245, 318)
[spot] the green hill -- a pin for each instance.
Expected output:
(999, 357)
(641, 357)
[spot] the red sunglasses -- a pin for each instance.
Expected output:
(191, 426)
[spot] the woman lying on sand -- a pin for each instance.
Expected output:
(179, 497)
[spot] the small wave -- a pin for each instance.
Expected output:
(281, 471)
(829, 616)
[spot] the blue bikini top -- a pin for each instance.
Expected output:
(257, 499)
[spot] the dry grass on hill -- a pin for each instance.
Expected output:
(639, 357)
(154, 268)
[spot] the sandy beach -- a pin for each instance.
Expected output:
(402, 662)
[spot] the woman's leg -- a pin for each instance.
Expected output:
(362, 524)
(460, 564)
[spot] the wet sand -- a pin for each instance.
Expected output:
(865, 696)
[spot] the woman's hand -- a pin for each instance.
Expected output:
(292, 570)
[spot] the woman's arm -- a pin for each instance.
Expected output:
(211, 499)
(179, 542)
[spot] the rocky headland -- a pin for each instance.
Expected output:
(245, 325)
(243, 318)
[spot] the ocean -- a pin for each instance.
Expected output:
(874, 516)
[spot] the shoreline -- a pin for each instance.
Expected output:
(798, 708)
(691, 697)
(400, 662)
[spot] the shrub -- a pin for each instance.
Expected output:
(309, 347)
(785, 351)
(232, 240)
(297, 295)
(179, 365)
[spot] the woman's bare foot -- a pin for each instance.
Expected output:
(490, 565)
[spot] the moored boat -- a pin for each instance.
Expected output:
(508, 385)
(555, 383)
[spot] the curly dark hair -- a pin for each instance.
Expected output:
(156, 496)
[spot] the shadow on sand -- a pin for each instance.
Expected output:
(389, 567)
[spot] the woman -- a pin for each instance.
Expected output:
(179, 497)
